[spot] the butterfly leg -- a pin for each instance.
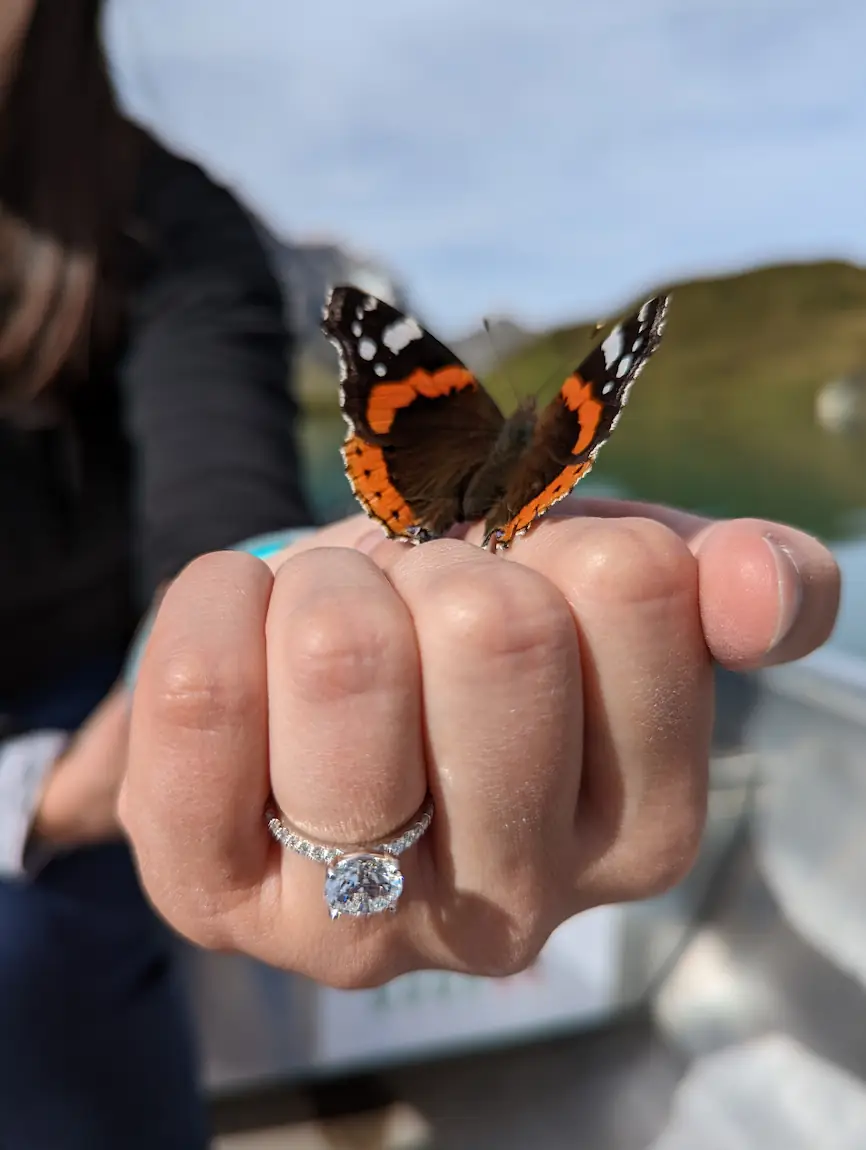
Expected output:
(493, 541)
(417, 535)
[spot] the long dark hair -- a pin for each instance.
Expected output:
(68, 161)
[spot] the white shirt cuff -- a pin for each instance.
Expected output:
(24, 764)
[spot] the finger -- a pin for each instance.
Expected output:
(501, 696)
(632, 587)
(684, 523)
(197, 778)
(347, 761)
(78, 801)
(768, 592)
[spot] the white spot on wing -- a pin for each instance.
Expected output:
(612, 347)
(370, 303)
(400, 334)
(357, 329)
(380, 369)
(367, 349)
(624, 366)
(608, 387)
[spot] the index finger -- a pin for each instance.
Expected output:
(769, 593)
(197, 778)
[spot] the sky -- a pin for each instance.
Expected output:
(546, 160)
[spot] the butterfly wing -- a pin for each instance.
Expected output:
(572, 428)
(420, 424)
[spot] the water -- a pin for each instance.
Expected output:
(810, 478)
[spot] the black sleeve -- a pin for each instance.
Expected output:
(206, 381)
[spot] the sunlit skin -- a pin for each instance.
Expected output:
(556, 700)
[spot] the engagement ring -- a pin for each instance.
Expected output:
(358, 880)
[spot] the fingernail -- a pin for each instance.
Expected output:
(790, 588)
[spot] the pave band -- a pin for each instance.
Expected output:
(360, 880)
(318, 852)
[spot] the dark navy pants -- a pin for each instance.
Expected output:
(96, 1051)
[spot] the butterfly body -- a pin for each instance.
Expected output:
(487, 492)
(428, 448)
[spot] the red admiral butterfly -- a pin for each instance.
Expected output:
(428, 448)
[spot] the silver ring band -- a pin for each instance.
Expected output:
(360, 880)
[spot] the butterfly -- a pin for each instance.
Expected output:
(427, 447)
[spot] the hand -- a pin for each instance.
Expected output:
(78, 804)
(557, 701)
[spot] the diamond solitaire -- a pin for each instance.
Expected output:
(359, 881)
(363, 884)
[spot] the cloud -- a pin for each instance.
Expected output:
(548, 158)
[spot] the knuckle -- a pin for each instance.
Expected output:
(629, 560)
(663, 861)
(342, 976)
(196, 916)
(514, 953)
(504, 934)
(514, 961)
(345, 646)
(673, 859)
(506, 612)
(367, 965)
(207, 934)
(199, 693)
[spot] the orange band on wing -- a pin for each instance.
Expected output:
(558, 489)
(578, 397)
(368, 474)
(386, 399)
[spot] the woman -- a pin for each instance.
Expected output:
(556, 703)
(144, 419)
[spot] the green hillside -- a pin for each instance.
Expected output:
(723, 417)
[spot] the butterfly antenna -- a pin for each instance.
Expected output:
(514, 393)
(590, 336)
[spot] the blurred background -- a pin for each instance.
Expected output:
(545, 165)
